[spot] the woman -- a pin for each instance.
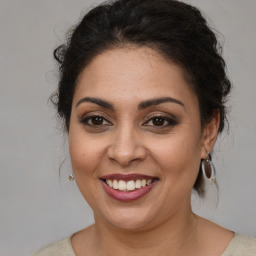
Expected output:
(142, 97)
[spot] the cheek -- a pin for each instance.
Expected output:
(178, 156)
(85, 153)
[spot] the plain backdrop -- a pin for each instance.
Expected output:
(37, 205)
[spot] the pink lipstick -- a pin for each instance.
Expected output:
(127, 187)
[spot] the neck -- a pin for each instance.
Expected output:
(174, 236)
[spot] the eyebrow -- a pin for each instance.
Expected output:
(97, 101)
(154, 102)
(142, 105)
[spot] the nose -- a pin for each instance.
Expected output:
(127, 146)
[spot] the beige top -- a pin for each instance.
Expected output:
(239, 246)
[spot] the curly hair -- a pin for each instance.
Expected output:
(176, 30)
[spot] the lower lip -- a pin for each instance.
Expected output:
(127, 196)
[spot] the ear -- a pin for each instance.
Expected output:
(210, 134)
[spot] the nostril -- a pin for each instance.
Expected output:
(126, 155)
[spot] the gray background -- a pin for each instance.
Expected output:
(38, 207)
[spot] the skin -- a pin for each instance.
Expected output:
(127, 140)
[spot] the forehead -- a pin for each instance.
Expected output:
(130, 74)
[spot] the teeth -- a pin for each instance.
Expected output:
(129, 185)
(122, 185)
(115, 184)
(149, 182)
(110, 183)
(138, 184)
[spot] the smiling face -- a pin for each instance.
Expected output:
(135, 119)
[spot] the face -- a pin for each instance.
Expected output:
(135, 120)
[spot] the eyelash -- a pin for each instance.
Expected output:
(86, 120)
(168, 122)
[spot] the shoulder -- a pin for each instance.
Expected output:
(241, 245)
(62, 247)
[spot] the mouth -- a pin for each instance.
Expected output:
(128, 187)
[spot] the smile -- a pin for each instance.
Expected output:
(127, 187)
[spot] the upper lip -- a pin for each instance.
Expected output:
(127, 177)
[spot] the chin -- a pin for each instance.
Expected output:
(129, 219)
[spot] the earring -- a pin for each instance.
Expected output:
(71, 176)
(208, 168)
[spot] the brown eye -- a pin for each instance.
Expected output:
(97, 120)
(158, 121)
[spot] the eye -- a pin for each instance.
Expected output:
(95, 121)
(160, 121)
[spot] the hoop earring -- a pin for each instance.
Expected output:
(71, 176)
(208, 168)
